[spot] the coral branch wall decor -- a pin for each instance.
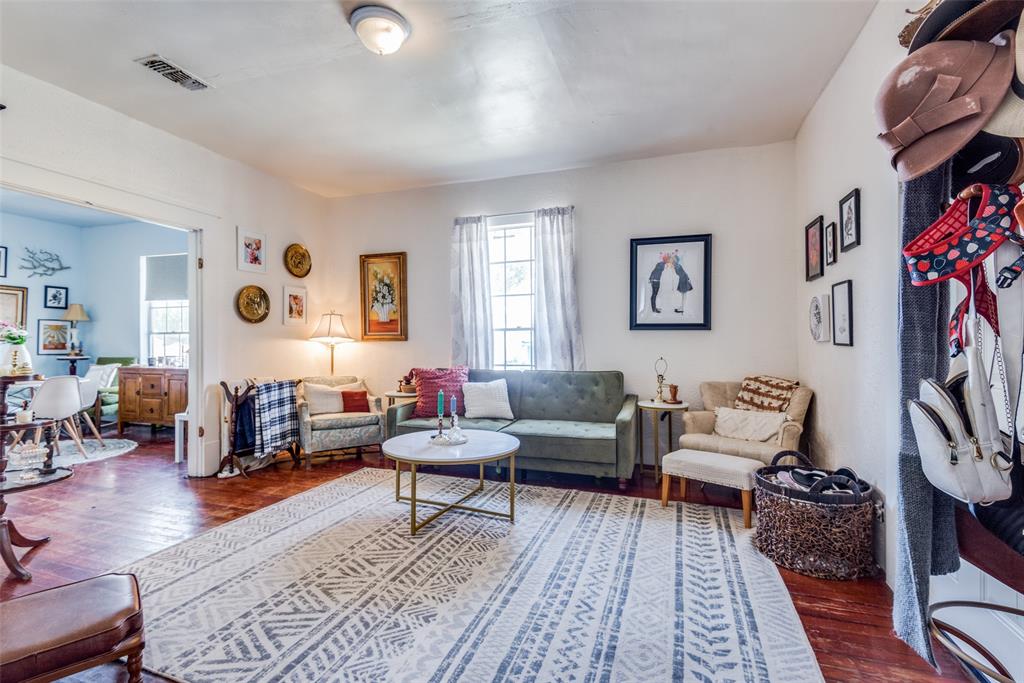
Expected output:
(42, 263)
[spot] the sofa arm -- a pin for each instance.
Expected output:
(399, 413)
(789, 436)
(625, 438)
(305, 424)
(698, 422)
(376, 406)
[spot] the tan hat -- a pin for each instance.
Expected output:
(962, 20)
(939, 97)
(1008, 120)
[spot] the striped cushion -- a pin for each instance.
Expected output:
(765, 394)
(431, 380)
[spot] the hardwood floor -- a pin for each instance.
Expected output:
(116, 511)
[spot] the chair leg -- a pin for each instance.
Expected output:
(682, 488)
(747, 504)
(17, 439)
(134, 666)
(92, 428)
(666, 482)
(70, 426)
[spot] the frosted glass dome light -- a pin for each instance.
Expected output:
(382, 30)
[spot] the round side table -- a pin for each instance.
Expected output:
(657, 409)
(395, 396)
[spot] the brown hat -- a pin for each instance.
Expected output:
(964, 20)
(939, 97)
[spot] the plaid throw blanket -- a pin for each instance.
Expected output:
(766, 394)
(277, 419)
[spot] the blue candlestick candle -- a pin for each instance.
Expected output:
(453, 405)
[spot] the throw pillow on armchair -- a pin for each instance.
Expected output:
(429, 381)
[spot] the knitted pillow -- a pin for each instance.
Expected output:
(429, 381)
(765, 394)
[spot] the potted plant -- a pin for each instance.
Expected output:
(406, 384)
(17, 360)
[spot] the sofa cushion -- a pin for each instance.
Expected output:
(430, 381)
(565, 440)
(513, 378)
(488, 399)
(343, 420)
(748, 425)
(419, 424)
(562, 429)
(574, 396)
(720, 444)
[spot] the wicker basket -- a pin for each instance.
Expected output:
(829, 536)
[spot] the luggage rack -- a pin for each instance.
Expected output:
(232, 459)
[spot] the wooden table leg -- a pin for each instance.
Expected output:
(10, 537)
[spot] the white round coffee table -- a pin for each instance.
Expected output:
(482, 447)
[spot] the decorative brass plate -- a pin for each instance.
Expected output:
(253, 304)
(297, 260)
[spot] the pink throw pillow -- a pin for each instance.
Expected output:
(430, 380)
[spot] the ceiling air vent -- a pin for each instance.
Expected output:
(172, 72)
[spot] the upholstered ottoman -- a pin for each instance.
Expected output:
(64, 630)
(712, 468)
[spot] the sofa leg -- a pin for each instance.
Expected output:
(134, 667)
(623, 483)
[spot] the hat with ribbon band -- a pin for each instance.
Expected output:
(938, 98)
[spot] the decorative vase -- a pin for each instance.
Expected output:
(673, 392)
(17, 360)
(383, 312)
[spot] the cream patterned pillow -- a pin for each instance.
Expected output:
(487, 399)
(748, 425)
(323, 399)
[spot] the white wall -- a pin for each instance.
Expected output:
(19, 232)
(114, 287)
(56, 143)
(742, 196)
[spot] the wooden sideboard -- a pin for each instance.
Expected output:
(150, 395)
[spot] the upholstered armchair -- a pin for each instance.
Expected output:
(329, 432)
(699, 433)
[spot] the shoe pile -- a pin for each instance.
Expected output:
(802, 479)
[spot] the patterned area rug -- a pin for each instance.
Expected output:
(70, 455)
(329, 586)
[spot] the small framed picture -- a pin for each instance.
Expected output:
(3, 261)
(814, 249)
(849, 220)
(820, 318)
(54, 337)
(294, 305)
(252, 251)
(842, 313)
(55, 297)
(831, 252)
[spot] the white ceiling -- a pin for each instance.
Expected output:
(483, 88)
(46, 209)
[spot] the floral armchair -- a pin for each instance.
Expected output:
(331, 432)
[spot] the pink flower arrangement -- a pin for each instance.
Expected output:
(12, 334)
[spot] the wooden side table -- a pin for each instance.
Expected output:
(657, 409)
(72, 362)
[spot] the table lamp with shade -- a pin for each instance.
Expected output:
(331, 331)
(75, 314)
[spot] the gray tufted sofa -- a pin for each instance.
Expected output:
(571, 422)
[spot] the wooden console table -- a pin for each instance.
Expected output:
(150, 396)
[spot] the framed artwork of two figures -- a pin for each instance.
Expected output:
(670, 283)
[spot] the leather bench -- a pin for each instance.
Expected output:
(64, 630)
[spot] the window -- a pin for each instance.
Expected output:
(165, 333)
(512, 290)
(168, 333)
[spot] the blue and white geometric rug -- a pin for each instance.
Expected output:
(328, 585)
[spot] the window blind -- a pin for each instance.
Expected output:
(166, 277)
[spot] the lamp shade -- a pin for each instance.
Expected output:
(76, 314)
(331, 330)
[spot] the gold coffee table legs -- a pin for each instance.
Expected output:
(445, 506)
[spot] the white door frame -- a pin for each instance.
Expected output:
(195, 451)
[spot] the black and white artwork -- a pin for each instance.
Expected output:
(670, 283)
(849, 221)
(55, 297)
(842, 313)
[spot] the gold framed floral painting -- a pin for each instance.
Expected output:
(383, 302)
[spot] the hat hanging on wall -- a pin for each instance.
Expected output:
(1009, 117)
(989, 159)
(939, 97)
(965, 20)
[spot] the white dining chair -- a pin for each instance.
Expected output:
(60, 398)
(89, 389)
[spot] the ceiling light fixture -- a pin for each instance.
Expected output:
(382, 30)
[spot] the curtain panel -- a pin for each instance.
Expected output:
(558, 336)
(472, 329)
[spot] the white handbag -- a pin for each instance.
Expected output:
(963, 453)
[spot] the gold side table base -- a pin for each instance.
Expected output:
(445, 506)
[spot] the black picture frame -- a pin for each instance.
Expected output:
(831, 245)
(849, 238)
(703, 287)
(61, 300)
(811, 250)
(3, 261)
(842, 313)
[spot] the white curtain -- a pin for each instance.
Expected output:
(558, 343)
(472, 333)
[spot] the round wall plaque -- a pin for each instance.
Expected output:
(253, 304)
(297, 260)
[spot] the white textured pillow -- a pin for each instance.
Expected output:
(487, 399)
(323, 399)
(748, 425)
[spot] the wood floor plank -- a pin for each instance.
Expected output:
(114, 512)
